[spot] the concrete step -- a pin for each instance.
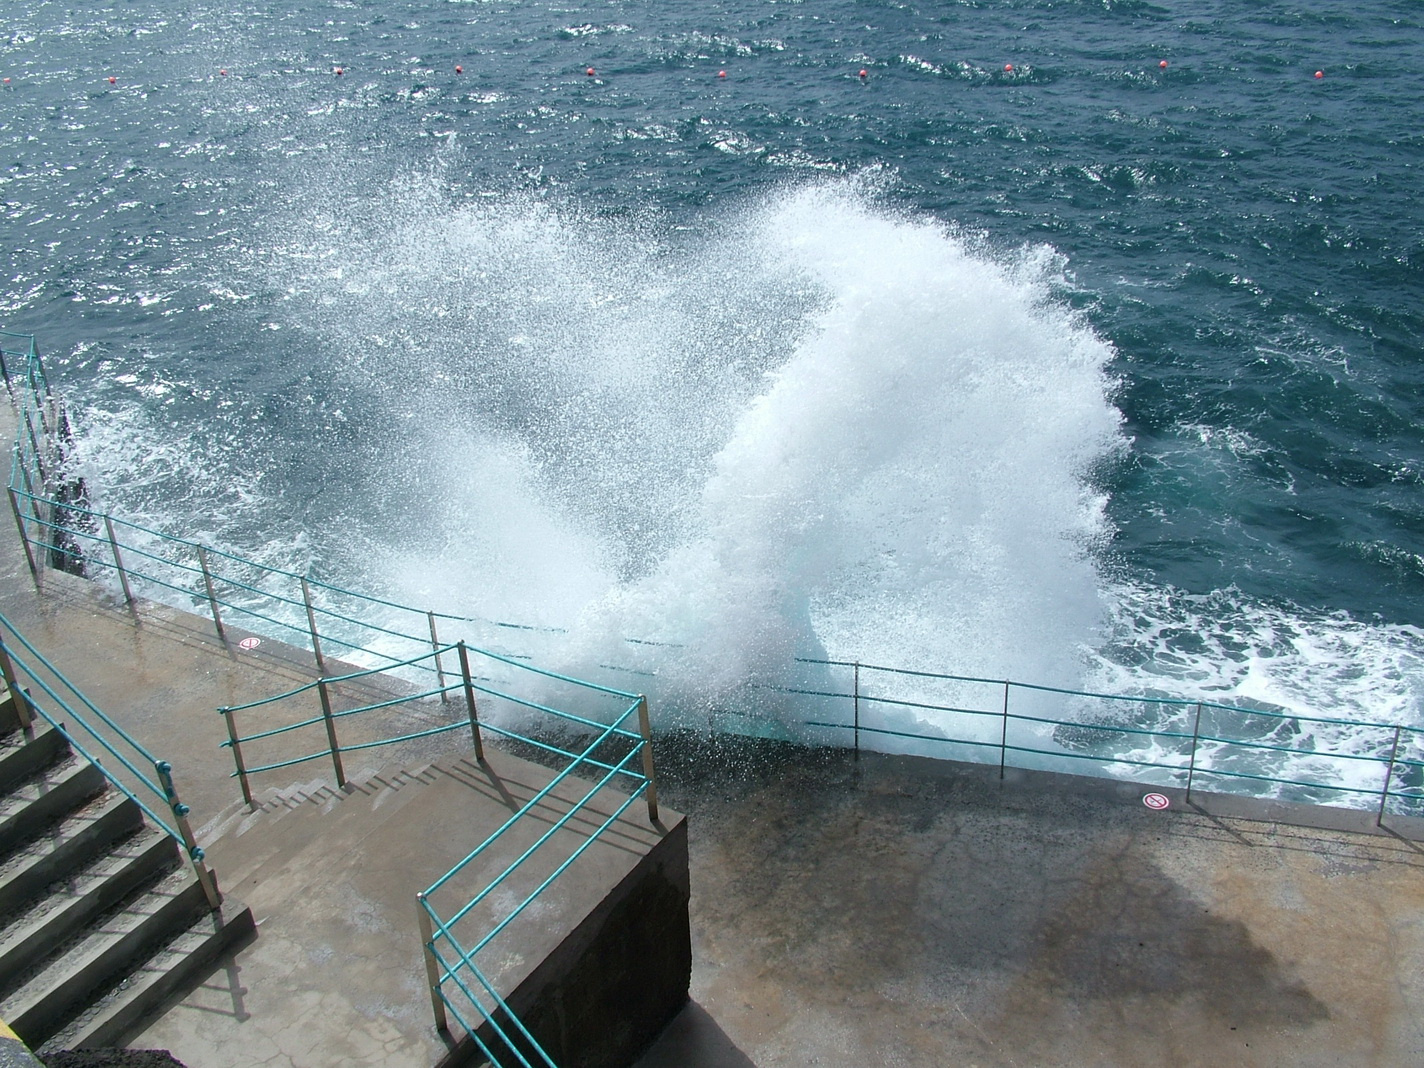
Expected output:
(102, 955)
(40, 930)
(22, 758)
(176, 965)
(65, 847)
(45, 798)
(285, 832)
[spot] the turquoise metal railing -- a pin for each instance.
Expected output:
(1226, 750)
(93, 734)
(1163, 740)
(458, 986)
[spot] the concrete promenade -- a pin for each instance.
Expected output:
(893, 911)
(903, 911)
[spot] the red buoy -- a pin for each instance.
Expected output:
(339, 72)
(459, 69)
(721, 74)
(1163, 64)
(589, 72)
(864, 73)
(1009, 68)
(1320, 74)
(112, 79)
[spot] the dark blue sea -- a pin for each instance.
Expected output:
(1076, 342)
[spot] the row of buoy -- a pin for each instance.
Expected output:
(591, 72)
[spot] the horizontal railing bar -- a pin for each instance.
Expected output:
(485, 725)
(900, 734)
(526, 807)
(408, 737)
(594, 724)
(1288, 782)
(588, 841)
(138, 748)
(553, 829)
(1185, 701)
(323, 754)
(227, 742)
(394, 701)
(1244, 744)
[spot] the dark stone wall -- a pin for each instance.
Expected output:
(616, 981)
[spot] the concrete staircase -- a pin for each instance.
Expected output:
(101, 918)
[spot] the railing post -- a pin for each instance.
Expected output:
(470, 702)
(311, 626)
(1004, 733)
(432, 966)
(855, 708)
(331, 732)
(18, 697)
(35, 445)
(24, 537)
(190, 844)
(1192, 762)
(212, 598)
(440, 668)
(645, 728)
(237, 757)
(1388, 778)
(118, 560)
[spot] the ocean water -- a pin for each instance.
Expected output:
(1022, 355)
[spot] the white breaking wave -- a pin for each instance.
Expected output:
(811, 426)
(817, 427)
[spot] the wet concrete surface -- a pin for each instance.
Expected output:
(900, 911)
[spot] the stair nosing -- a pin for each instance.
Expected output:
(48, 998)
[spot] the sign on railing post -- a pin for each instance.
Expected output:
(645, 728)
(24, 537)
(237, 757)
(331, 732)
(118, 560)
(1004, 733)
(470, 702)
(18, 697)
(432, 966)
(1192, 761)
(190, 844)
(439, 668)
(212, 598)
(1388, 778)
(311, 626)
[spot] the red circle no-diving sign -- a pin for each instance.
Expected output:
(249, 643)
(1156, 802)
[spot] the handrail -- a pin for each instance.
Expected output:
(458, 987)
(1218, 752)
(78, 716)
